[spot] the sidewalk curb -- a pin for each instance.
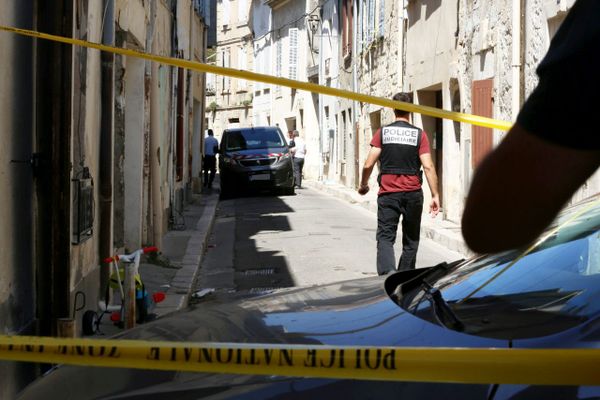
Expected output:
(183, 281)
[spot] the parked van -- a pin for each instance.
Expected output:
(256, 157)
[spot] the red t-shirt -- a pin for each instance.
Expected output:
(400, 183)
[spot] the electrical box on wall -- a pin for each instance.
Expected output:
(83, 210)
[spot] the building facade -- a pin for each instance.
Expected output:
(472, 57)
(100, 157)
(229, 101)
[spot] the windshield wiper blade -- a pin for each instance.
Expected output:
(442, 310)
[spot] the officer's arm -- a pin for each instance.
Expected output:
(432, 181)
(370, 162)
(519, 188)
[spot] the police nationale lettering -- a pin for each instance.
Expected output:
(507, 366)
(397, 135)
(371, 359)
(203, 355)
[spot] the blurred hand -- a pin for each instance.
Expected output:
(363, 189)
(434, 206)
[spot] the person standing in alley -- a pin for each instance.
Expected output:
(298, 152)
(401, 148)
(211, 148)
(290, 139)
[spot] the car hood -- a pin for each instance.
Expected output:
(357, 313)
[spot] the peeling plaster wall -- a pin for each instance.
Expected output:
(86, 139)
(17, 290)
(161, 126)
(485, 48)
(132, 17)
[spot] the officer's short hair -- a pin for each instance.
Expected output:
(404, 97)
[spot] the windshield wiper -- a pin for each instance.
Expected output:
(441, 309)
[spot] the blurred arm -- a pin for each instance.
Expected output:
(519, 188)
(370, 162)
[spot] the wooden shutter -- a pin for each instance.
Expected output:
(242, 65)
(242, 11)
(381, 27)
(226, 12)
(371, 21)
(482, 104)
(278, 64)
(293, 59)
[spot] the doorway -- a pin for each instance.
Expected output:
(435, 131)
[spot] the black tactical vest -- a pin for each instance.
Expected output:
(400, 144)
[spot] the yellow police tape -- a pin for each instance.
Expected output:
(460, 365)
(252, 76)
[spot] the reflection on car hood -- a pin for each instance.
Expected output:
(357, 312)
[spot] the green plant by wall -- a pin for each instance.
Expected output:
(213, 106)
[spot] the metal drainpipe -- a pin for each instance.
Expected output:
(516, 58)
(106, 140)
(355, 89)
(179, 141)
(156, 151)
(321, 97)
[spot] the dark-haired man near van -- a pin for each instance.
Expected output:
(211, 148)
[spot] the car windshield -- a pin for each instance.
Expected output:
(252, 138)
(550, 287)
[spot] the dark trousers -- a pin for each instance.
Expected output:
(390, 207)
(298, 165)
(209, 166)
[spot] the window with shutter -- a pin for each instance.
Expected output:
(347, 27)
(242, 65)
(242, 11)
(359, 27)
(293, 49)
(225, 14)
(226, 63)
(381, 27)
(278, 64)
(211, 82)
(371, 21)
(257, 67)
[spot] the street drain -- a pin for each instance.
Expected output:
(259, 272)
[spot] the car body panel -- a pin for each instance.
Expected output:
(380, 311)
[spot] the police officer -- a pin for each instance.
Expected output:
(402, 149)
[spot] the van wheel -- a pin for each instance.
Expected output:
(290, 191)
